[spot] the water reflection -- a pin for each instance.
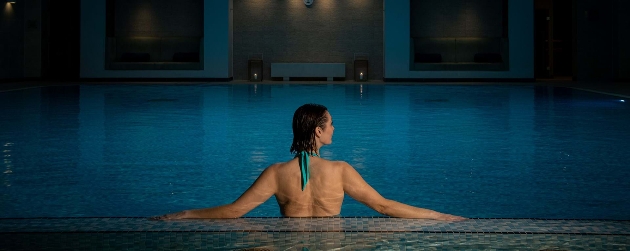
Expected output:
(8, 163)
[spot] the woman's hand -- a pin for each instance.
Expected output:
(173, 216)
(449, 217)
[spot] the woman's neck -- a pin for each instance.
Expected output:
(317, 147)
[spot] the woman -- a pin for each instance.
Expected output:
(308, 185)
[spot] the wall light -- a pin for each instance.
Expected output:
(361, 67)
(11, 1)
(255, 67)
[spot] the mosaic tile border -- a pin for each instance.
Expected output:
(311, 241)
(308, 225)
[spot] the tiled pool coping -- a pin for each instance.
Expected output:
(335, 224)
(341, 233)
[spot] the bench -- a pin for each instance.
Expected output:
(459, 54)
(154, 53)
(327, 70)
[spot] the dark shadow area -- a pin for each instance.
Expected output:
(440, 41)
(60, 39)
(159, 36)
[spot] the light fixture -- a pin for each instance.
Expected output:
(361, 70)
(255, 68)
(11, 1)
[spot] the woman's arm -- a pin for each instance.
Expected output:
(356, 187)
(262, 189)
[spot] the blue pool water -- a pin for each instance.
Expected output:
(476, 151)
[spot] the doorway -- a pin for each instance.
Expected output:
(553, 39)
(60, 39)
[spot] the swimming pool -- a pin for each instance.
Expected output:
(476, 151)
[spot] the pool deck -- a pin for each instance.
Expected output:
(621, 89)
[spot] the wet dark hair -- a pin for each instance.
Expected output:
(305, 119)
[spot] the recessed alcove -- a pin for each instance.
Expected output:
(154, 35)
(459, 35)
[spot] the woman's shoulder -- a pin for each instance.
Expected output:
(333, 163)
(337, 163)
(280, 165)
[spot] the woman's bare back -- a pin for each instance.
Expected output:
(323, 194)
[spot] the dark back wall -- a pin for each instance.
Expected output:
(158, 18)
(597, 47)
(60, 39)
(456, 18)
(624, 40)
(11, 40)
(329, 31)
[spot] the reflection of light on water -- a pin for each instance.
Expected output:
(358, 158)
(326, 154)
(255, 173)
(361, 90)
(258, 156)
(8, 163)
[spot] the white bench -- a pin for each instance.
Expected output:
(327, 70)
